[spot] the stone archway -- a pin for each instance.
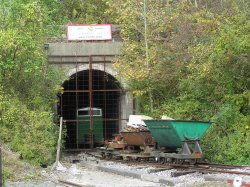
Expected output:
(107, 94)
(101, 67)
(75, 57)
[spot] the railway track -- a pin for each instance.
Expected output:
(214, 168)
(202, 164)
(203, 168)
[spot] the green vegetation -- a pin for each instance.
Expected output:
(30, 132)
(85, 12)
(14, 167)
(27, 83)
(197, 68)
(193, 63)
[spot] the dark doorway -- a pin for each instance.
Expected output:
(90, 88)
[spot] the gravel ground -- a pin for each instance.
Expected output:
(88, 171)
(98, 178)
(85, 176)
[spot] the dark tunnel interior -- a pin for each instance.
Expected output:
(105, 91)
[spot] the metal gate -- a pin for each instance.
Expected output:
(90, 88)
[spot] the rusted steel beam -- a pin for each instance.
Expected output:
(104, 99)
(77, 123)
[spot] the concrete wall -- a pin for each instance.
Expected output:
(74, 57)
(126, 108)
(85, 48)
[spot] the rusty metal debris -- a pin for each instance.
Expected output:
(131, 129)
(138, 138)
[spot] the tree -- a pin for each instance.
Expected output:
(27, 83)
(198, 65)
(23, 32)
(85, 12)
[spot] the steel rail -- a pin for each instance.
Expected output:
(203, 168)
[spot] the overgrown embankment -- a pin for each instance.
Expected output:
(15, 169)
(28, 85)
(32, 133)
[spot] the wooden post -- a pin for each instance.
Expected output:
(58, 145)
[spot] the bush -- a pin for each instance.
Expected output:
(30, 132)
(228, 140)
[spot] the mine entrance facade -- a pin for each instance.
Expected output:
(90, 106)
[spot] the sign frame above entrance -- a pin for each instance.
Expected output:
(80, 32)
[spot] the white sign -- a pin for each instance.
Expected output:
(89, 32)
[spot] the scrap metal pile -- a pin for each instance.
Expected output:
(132, 129)
(135, 133)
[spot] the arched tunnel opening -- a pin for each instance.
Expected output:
(90, 107)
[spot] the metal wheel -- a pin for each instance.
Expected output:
(103, 155)
(128, 158)
(192, 161)
(175, 161)
(162, 160)
(169, 160)
(138, 159)
(180, 161)
(109, 156)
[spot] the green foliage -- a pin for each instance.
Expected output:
(198, 66)
(156, 77)
(31, 133)
(23, 65)
(7, 175)
(85, 12)
(228, 141)
(27, 83)
(217, 88)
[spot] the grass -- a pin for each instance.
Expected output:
(15, 169)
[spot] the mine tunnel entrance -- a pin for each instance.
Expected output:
(90, 107)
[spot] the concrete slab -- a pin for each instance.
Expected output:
(120, 172)
(137, 175)
(151, 178)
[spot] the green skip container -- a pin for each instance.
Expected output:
(171, 133)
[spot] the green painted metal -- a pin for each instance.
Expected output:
(84, 131)
(171, 133)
